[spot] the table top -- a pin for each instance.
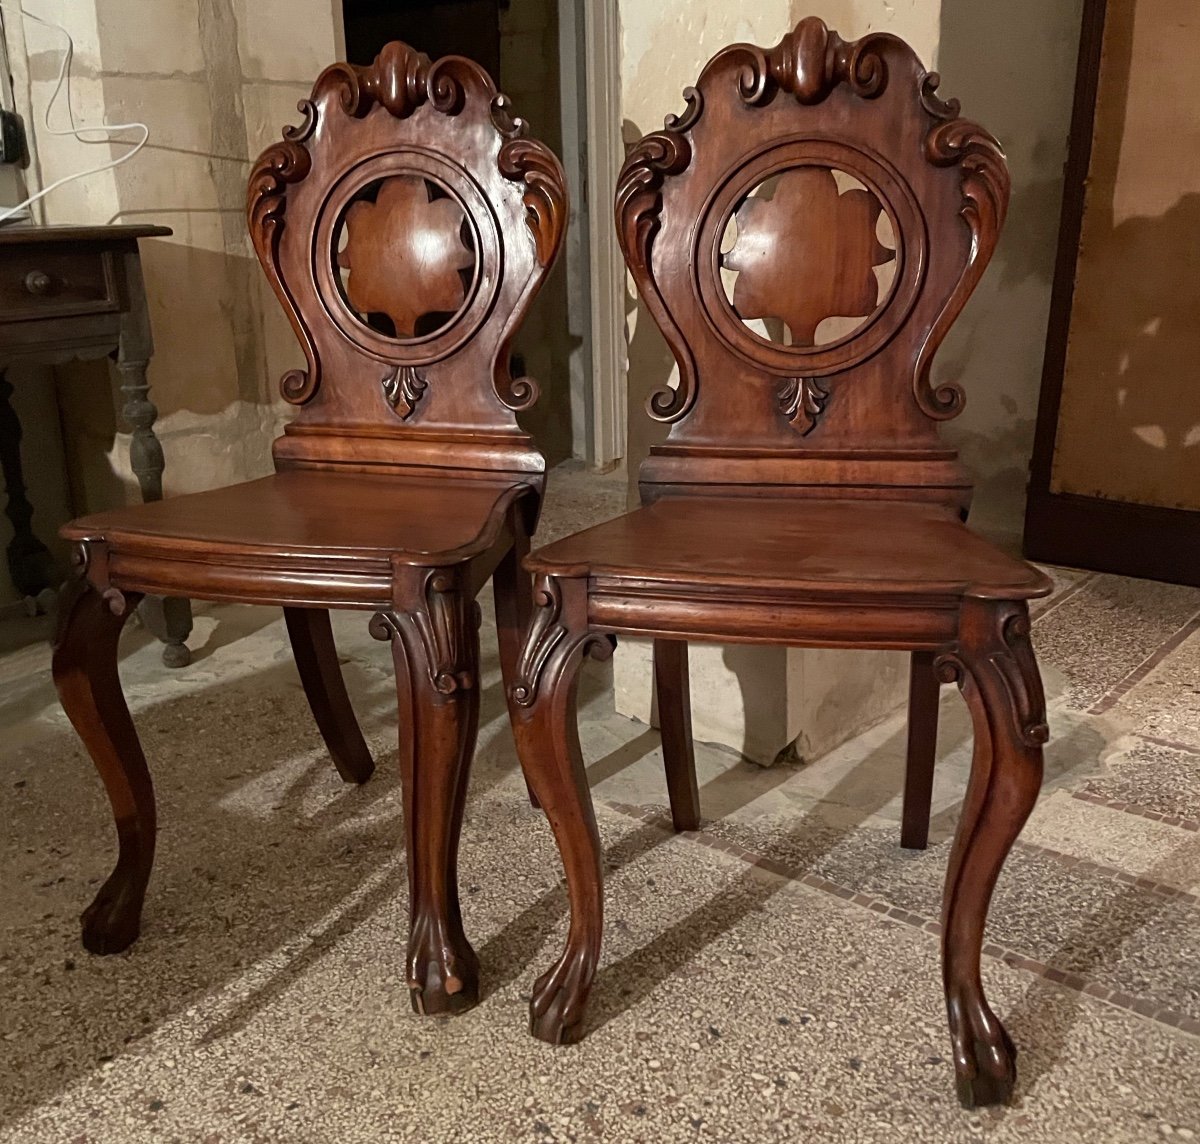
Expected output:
(17, 234)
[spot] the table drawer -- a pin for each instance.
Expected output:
(47, 282)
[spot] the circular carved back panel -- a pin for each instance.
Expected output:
(406, 256)
(808, 257)
(406, 252)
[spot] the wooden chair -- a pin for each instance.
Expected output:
(822, 191)
(405, 226)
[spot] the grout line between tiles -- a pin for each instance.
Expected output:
(1086, 865)
(1055, 602)
(1144, 1007)
(1174, 744)
(1124, 685)
(1085, 795)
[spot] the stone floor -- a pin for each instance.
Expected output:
(772, 976)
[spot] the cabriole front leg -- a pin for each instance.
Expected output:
(543, 702)
(994, 666)
(434, 633)
(85, 673)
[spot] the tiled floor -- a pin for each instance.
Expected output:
(773, 976)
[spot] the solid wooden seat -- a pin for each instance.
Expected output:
(305, 534)
(405, 227)
(807, 548)
(803, 235)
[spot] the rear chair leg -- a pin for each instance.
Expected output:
(316, 659)
(512, 590)
(923, 691)
(673, 691)
(85, 673)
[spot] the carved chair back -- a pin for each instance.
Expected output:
(804, 235)
(405, 227)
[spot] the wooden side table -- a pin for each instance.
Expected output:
(70, 292)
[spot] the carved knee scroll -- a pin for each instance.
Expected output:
(554, 633)
(544, 723)
(995, 667)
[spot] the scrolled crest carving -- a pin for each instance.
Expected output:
(953, 141)
(397, 80)
(639, 218)
(809, 62)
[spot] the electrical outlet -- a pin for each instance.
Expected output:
(12, 138)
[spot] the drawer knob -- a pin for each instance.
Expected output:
(38, 282)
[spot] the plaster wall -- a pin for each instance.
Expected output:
(214, 80)
(1013, 67)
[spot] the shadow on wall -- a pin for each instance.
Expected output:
(1129, 423)
(1013, 67)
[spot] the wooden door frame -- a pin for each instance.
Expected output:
(608, 426)
(1067, 528)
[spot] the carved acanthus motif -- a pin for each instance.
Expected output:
(985, 187)
(809, 63)
(403, 388)
(639, 218)
(802, 401)
(1008, 653)
(278, 167)
(440, 624)
(545, 640)
(530, 162)
(544, 635)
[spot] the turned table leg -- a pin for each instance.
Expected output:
(29, 561)
(996, 670)
(543, 701)
(170, 618)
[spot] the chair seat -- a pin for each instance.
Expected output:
(307, 535)
(796, 547)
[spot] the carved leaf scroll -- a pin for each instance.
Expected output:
(404, 252)
(545, 198)
(279, 166)
(985, 186)
(639, 218)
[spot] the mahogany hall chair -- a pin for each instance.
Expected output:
(804, 235)
(405, 226)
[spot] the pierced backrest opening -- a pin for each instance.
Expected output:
(405, 227)
(804, 235)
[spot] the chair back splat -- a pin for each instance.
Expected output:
(804, 235)
(406, 225)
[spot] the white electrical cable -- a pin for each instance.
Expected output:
(107, 130)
